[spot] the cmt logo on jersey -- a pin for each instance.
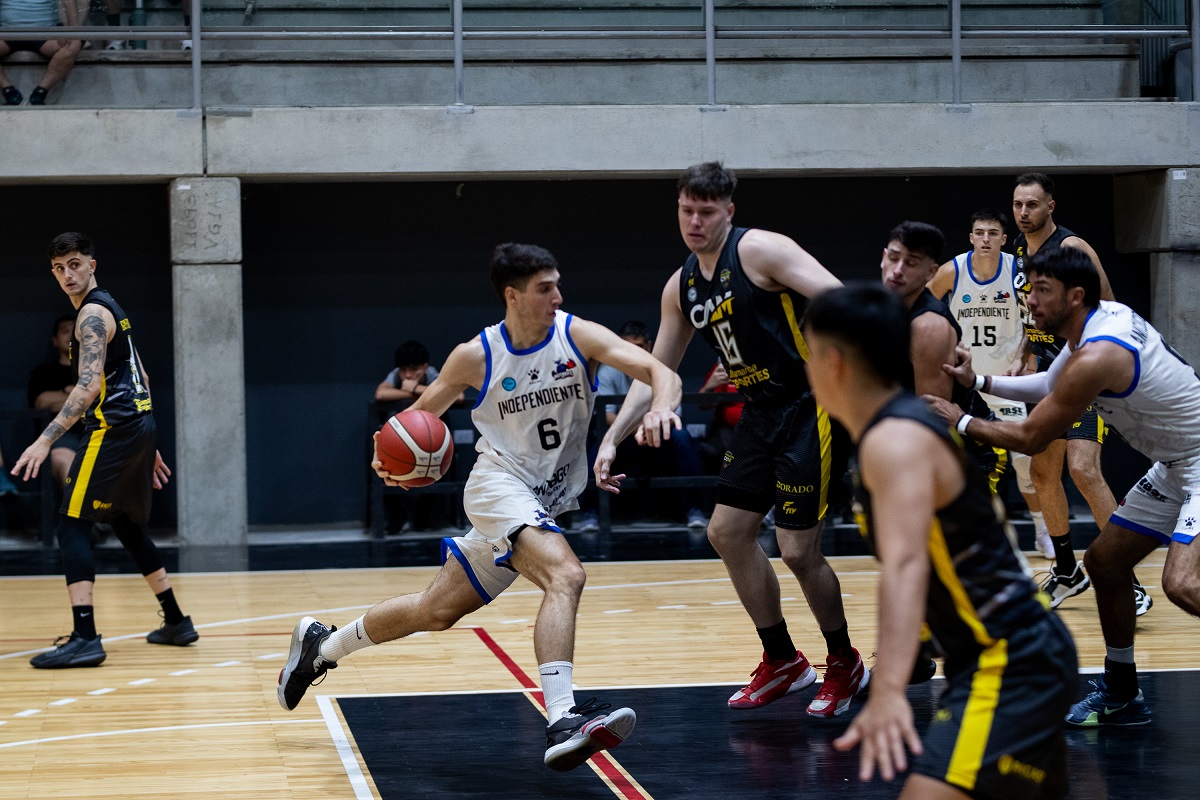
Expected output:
(789, 488)
(509, 384)
(966, 298)
(563, 369)
(98, 505)
(701, 315)
(539, 398)
(748, 376)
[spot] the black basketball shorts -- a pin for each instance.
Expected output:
(113, 473)
(788, 454)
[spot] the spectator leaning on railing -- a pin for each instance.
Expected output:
(61, 52)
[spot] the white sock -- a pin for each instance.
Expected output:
(556, 688)
(1039, 522)
(345, 641)
(1120, 655)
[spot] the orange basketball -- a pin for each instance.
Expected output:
(415, 448)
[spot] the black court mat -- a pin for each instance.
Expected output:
(688, 744)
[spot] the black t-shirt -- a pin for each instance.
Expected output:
(49, 377)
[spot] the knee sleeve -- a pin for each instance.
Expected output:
(78, 562)
(1020, 463)
(138, 544)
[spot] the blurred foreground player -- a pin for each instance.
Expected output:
(535, 373)
(116, 465)
(948, 560)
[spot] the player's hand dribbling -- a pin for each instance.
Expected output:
(656, 427)
(884, 728)
(962, 371)
(604, 460)
(377, 465)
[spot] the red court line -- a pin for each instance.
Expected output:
(601, 760)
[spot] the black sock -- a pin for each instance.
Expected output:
(114, 19)
(777, 643)
(1064, 556)
(1121, 679)
(839, 641)
(171, 613)
(85, 621)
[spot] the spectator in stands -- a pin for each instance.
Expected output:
(7, 487)
(49, 385)
(410, 377)
(677, 456)
(725, 416)
(61, 52)
(112, 15)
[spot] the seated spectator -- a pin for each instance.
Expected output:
(410, 377)
(677, 456)
(725, 417)
(49, 385)
(61, 52)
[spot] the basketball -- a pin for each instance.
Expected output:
(415, 448)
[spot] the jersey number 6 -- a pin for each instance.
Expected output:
(548, 433)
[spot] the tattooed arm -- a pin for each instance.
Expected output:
(94, 330)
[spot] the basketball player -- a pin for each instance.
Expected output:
(535, 372)
(745, 290)
(116, 465)
(1079, 442)
(948, 562)
(909, 261)
(1114, 359)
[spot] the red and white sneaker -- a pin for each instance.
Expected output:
(843, 681)
(773, 680)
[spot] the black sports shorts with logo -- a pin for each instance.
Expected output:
(113, 473)
(998, 730)
(1090, 427)
(786, 453)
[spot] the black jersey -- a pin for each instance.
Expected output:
(966, 399)
(756, 332)
(979, 591)
(1046, 346)
(123, 394)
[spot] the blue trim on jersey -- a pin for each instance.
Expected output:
(971, 272)
(1142, 529)
(595, 379)
(1183, 538)
(528, 350)
(451, 546)
(1137, 364)
(954, 288)
(487, 371)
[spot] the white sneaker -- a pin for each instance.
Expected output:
(1060, 587)
(1045, 545)
(115, 45)
(186, 44)
(1141, 600)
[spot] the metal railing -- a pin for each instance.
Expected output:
(458, 34)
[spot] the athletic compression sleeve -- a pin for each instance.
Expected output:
(1028, 388)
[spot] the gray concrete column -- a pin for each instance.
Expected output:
(210, 400)
(1159, 213)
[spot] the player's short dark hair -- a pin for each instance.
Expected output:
(633, 329)
(67, 243)
(707, 181)
(61, 319)
(1070, 265)
(1036, 179)
(870, 319)
(919, 237)
(411, 354)
(514, 264)
(990, 215)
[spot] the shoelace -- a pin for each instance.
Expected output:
(62, 640)
(589, 706)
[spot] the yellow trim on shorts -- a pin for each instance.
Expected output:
(85, 473)
(825, 433)
(980, 712)
(943, 566)
(789, 311)
(998, 471)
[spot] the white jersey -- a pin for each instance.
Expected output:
(1159, 414)
(990, 317)
(533, 413)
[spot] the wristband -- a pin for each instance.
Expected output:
(980, 382)
(963, 421)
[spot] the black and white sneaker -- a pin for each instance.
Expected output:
(304, 665)
(1060, 586)
(584, 731)
(71, 650)
(1141, 599)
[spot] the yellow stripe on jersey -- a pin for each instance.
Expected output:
(826, 436)
(943, 567)
(100, 403)
(85, 473)
(789, 311)
(998, 470)
(978, 716)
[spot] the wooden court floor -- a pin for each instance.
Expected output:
(203, 721)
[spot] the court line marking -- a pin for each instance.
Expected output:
(358, 781)
(132, 731)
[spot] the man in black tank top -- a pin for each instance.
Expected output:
(950, 576)
(116, 465)
(909, 262)
(745, 290)
(1079, 446)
